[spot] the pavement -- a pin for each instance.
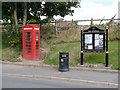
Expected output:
(41, 64)
(101, 77)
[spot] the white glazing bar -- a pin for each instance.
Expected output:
(27, 28)
(36, 28)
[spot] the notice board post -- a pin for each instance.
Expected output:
(93, 41)
(107, 46)
(81, 48)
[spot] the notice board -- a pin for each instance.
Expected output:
(94, 40)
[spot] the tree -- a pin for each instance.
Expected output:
(33, 10)
(24, 13)
(9, 11)
(15, 16)
(6, 11)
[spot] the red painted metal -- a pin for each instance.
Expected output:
(31, 42)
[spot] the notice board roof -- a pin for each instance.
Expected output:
(93, 29)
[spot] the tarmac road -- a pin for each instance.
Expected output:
(25, 82)
(53, 72)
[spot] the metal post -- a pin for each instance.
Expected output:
(40, 25)
(81, 57)
(81, 48)
(107, 47)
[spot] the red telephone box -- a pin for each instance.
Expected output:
(31, 42)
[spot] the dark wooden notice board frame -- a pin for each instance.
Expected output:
(92, 31)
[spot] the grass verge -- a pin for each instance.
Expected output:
(10, 53)
(74, 51)
(100, 57)
(72, 48)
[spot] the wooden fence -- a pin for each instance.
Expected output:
(59, 25)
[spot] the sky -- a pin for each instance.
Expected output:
(96, 9)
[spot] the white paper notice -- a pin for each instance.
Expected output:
(101, 36)
(96, 36)
(88, 38)
(90, 47)
(96, 43)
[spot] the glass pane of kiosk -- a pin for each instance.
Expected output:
(37, 44)
(27, 42)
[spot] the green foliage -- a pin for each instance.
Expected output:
(10, 48)
(114, 33)
(6, 10)
(47, 27)
(46, 20)
(59, 8)
(49, 9)
(53, 33)
(47, 32)
(12, 38)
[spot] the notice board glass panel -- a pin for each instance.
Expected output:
(88, 41)
(99, 41)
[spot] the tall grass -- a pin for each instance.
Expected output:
(72, 48)
(74, 51)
